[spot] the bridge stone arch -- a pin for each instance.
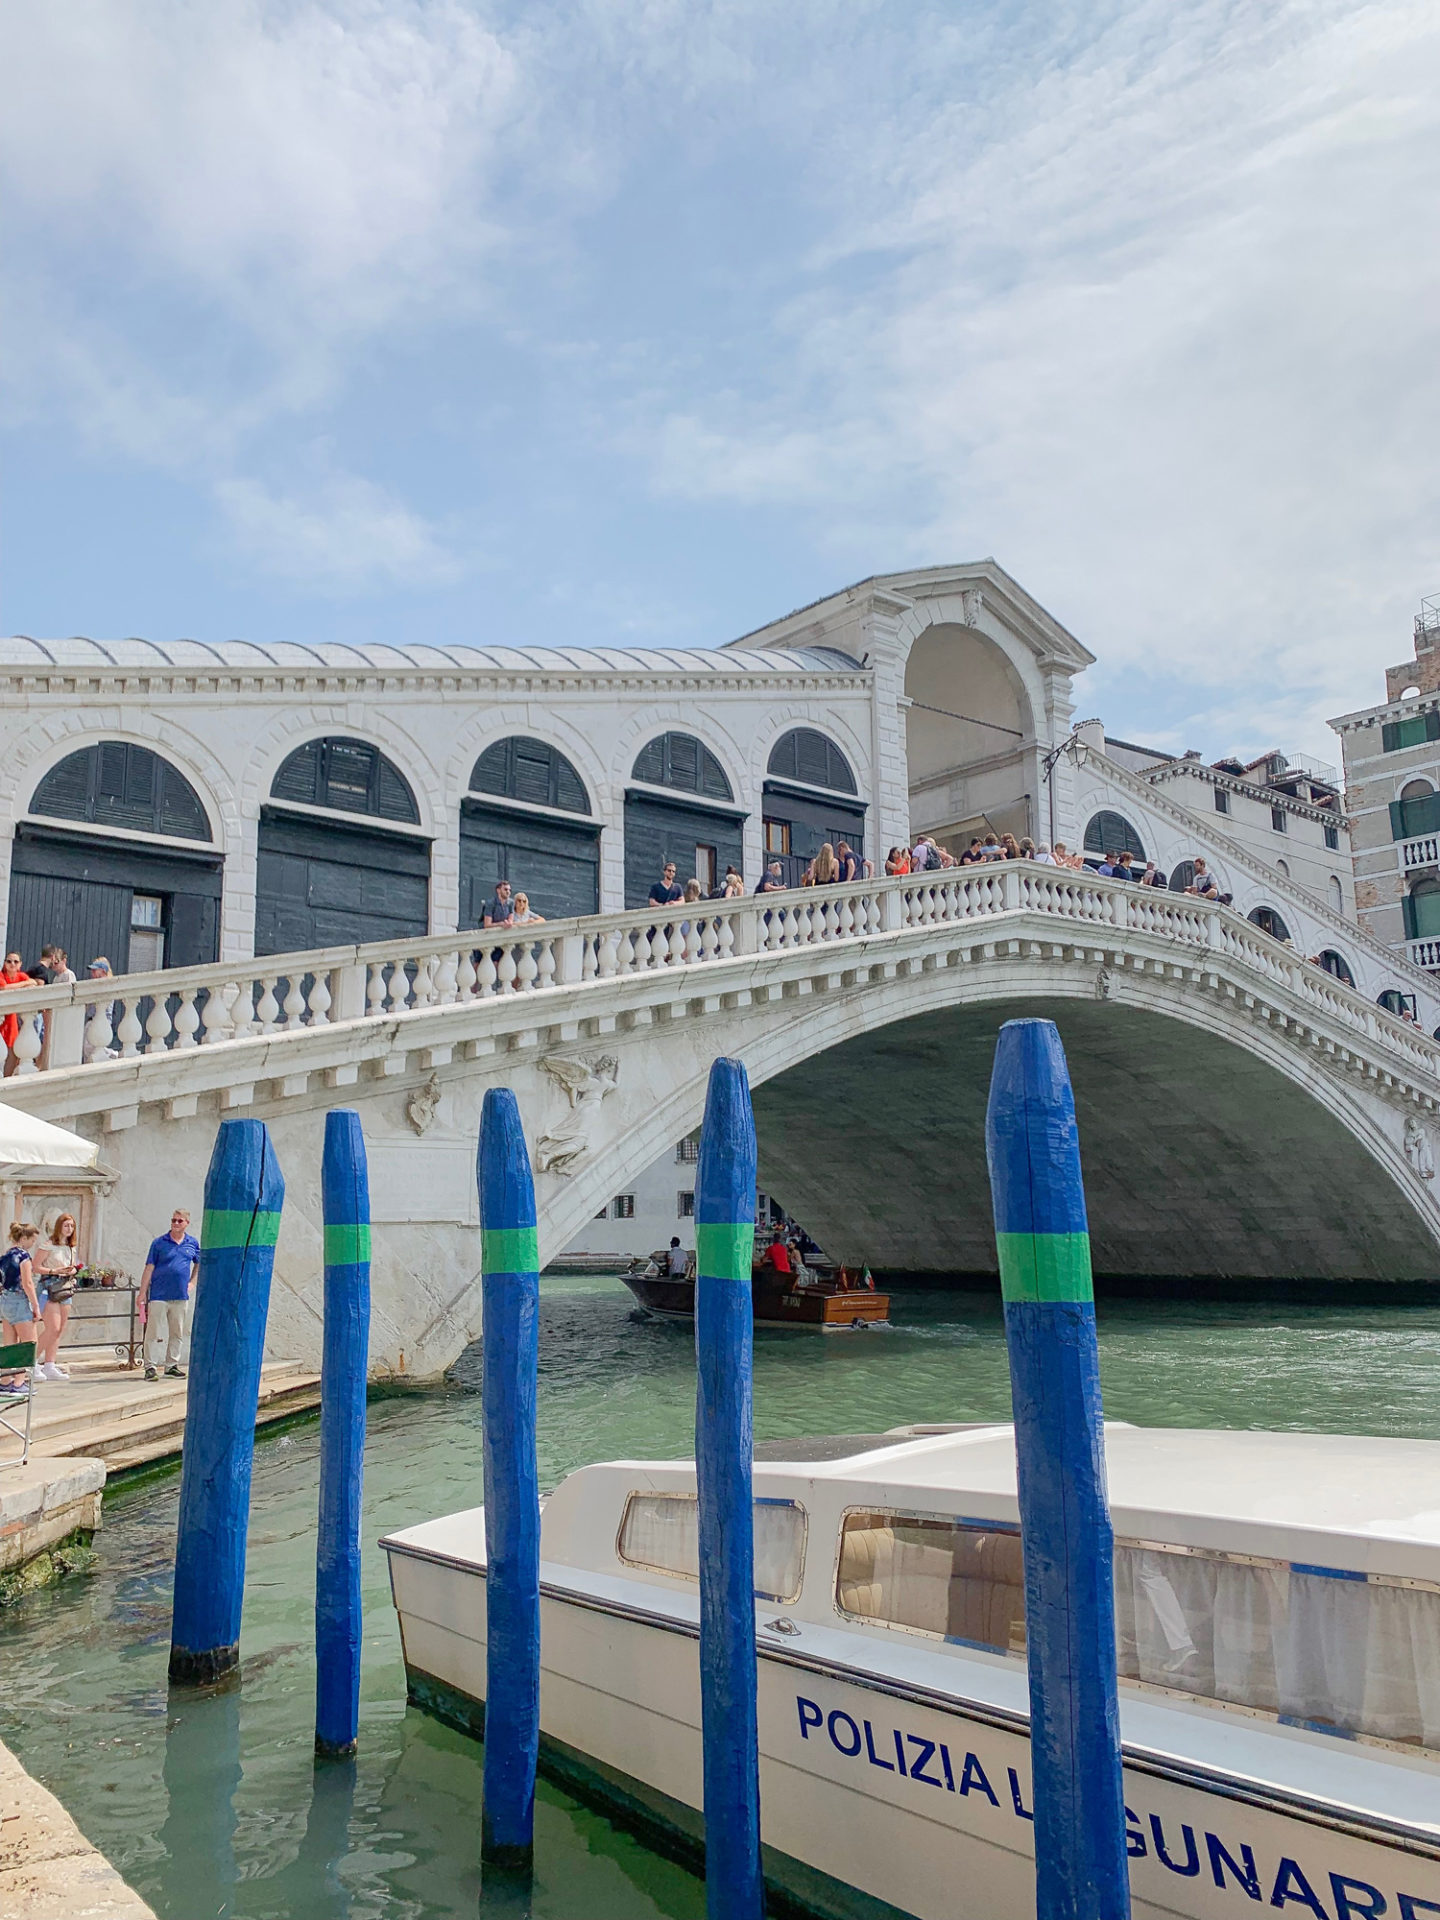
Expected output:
(1196, 1133)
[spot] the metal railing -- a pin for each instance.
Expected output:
(145, 1015)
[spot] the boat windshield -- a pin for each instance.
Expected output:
(1340, 1651)
(661, 1531)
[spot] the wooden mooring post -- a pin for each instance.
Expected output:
(1043, 1241)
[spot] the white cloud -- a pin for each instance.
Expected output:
(344, 536)
(1154, 322)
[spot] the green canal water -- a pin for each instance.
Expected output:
(213, 1806)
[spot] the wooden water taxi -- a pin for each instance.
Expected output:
(1278, 1639)
(829, 1302)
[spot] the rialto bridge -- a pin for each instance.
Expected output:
(1243, 1113)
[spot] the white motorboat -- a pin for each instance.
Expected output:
(1278, 1634)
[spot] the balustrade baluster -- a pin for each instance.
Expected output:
(525, 968)
(375, 988)
(267, 1007)
(607, 954)
(187, 1019)
(294, 1005)
(127, 1033)
(397, 996)
(319, 999)
(466, 977)
(508, 969)
(217, 1021)
(487, 976)
(545, 963)
(99, 1033)
(157, 1024)
(28, 1042)
(446, 979)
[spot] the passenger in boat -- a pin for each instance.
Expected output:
(676, 1260)
(777, 1254)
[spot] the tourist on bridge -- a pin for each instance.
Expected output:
(665, 891)
(521, 916)
(171, 1269)
(823, 870)
(849, 862)
(499, 908)
(771, 881)
(897, 861)
(1123, 869)
(1043, 857)
(972, 856)
(19, 1302)
(1153, 876)
(1203, 884)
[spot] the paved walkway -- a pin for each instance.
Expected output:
(108, 1412)
(48, 1869)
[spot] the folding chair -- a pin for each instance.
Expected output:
(12, 1360)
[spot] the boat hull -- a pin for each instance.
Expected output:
(879, 1797)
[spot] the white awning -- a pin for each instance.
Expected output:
(28, 1142)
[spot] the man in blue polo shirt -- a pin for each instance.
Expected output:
(171, 1268)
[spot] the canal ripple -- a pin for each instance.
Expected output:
(212, 1806)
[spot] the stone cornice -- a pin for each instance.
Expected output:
(1197, 769)
(330, 683)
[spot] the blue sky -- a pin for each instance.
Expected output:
(642, 322)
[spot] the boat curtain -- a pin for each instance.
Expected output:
(1348, 1653)
(662, 1531)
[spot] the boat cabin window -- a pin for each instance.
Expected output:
(661, 1531)
(1334, 1649)
(1330, 1649)
(959, 1579)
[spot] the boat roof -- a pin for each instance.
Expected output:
(1377, 1501)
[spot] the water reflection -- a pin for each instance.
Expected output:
(201, 1775)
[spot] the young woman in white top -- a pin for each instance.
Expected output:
(55, 1266)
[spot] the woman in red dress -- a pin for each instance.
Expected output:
(12, 974)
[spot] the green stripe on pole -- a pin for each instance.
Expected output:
(237, 1227)
(510, 1250)
(725, 1250)
(1045, 1266)
(347, 1243)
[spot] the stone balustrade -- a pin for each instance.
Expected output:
(93, 1023)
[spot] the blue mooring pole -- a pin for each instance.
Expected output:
(724, 1336)
(510, 1266)
(1043, 1242)
(345, 1197)
(244, 1191)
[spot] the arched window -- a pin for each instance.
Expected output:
(1112, 833)
(1416, 790)
(1337, 894)
(350, 775)
(1183, 876)
(1422, 911)
(1269, 921)
(1336, 964)
(1396, 1002)
(520, 768)
(811, 760)
(117, 784)
(1282, 867)
(679, 760)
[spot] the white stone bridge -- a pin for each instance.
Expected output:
(1243, 1114)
